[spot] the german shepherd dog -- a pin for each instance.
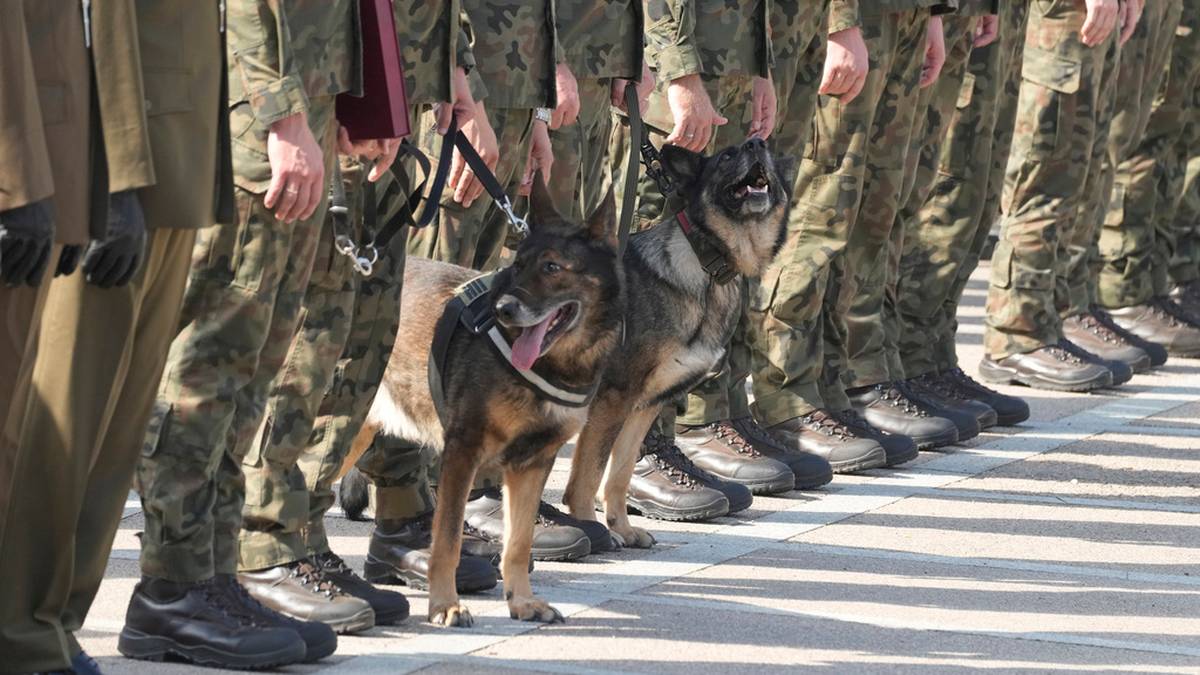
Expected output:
(559, 305)
(564, 304)
(679, 317)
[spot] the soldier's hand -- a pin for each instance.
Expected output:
(381, 151)
(114, 260)
(762, 120)
(297, 170)
(567, 110)
(463, 181)
(461, 107)
(987, 30)
(644, 87)
(693, 112)
(935, 52)
(1102, 16)
(541, 157)
(1131, 14)
(26, 237)
(846, 65)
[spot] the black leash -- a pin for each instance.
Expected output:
(637, 142)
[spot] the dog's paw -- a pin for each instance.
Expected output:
(634, 537)
(451, 616)
(618, 542)
(534, 609)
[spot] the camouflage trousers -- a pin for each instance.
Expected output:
(947, 233)
(241, 308)
(582, 166)
(848, 174)
(1138, 239)
(723, 395)
(1181, 246)
(776, 342)
(935, 106)
(1132, 87)
(1060, 130)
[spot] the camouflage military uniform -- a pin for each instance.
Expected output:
(1138, 238)
(1058, 127)
(943, 250)
(839, 182)
(1131, 88)
(516, 51)
(938, 103)
(336, 360)
(244, 296)
(601, 42)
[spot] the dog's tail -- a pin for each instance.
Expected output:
(355, 494)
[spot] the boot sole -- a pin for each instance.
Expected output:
(806, 482)
(1011, 420)
(715, 510)
(774, 486)
(876, 459)
(356, 623)
(316, 652)
(948, 437)
(134, 644)
(989, 420)
(897, 460)
(998, 375)
(379, 572)
(576, 550)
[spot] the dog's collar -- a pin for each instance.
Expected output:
(714, 259)
(471, 308)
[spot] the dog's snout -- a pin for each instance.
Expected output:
(755, 143)
(507, 309)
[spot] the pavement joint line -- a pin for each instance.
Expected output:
(1127, 505)
(991, 563)
(864, 619)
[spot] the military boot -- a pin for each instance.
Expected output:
(821, 434)
(390, 607)
(1187, 297)
(1010, 410)
(1121, 371)
(302, 591)
(399, 554)
(888, 408)
(719, 449)
(1091, 334)
(1155, 321)
(601, 538)
(929, 387)
(666, 485)
(1158, 353)
(485, 518)
(809, 470)
(899, 449)
(1049, 367)
(198, 623)
(319, 639)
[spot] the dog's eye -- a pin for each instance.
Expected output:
(551, 267)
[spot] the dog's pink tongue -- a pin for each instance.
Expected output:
(528, 347)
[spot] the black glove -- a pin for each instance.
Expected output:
(26, 237)
(68, 260)
(114, 260)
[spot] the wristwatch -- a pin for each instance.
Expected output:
(542, 115)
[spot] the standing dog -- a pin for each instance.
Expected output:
(684, 280)
(559, 309)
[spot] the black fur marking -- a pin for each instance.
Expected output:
(529, 446)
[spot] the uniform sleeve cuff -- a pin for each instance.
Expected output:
(282, 98)
(843, 15)
(676, 62)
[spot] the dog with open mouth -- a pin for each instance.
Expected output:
(501, 368)
(684, 298)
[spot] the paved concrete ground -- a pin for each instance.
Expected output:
(1069, 544)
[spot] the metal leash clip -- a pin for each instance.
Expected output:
(364, 263)
(517, 222)
(652, 160)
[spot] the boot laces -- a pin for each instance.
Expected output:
(219, 597)
(897, 398)
(550, 516)
(332, 562)
(1095, 326)
(1064, 355)
(1164, 312)
(960, 376)
(312, 577)
(941, 387)
(670, 460)
(826, 424)
(734, 439)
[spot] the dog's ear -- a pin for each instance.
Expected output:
(683, 164)
(786, 167)
(541, 204)
(602, 224)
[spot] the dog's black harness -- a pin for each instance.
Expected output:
(471, 308)
(713, 258)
